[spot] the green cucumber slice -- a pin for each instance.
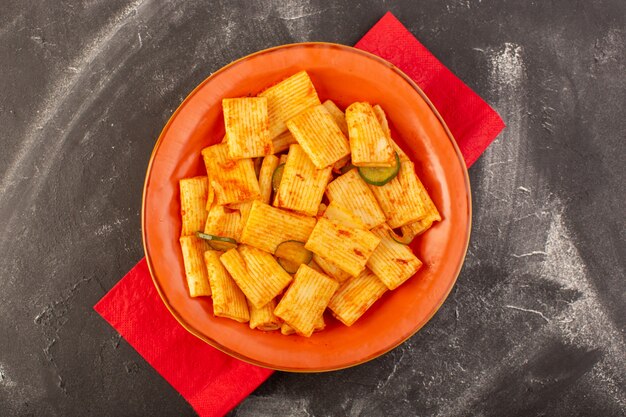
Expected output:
(346, 168)
(405, 240)
(277, 176)
(380, 175)
(218, 242)
(293, 251)
(289, 266)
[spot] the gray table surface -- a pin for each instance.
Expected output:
(535, 325)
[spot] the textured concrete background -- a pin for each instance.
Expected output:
(535, 325)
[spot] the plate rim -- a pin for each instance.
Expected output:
(188, 327)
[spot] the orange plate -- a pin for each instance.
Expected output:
(345, 75)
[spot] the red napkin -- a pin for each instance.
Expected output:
(472, 122)
(135, 310)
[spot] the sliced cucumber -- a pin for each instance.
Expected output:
(293, 251)
(289, 266)
(346, 168)
(218, 242)
(405, 240)
(277, 176)
(223, 246)
(380, 175)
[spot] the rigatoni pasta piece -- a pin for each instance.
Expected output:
(315, 266)
(400, 198)
(340, 214)
(267, 227)
(302, 185)
(247, 127)
(345, 247)
(306, 299)
(266, 271)
(233, 181)
(243, 209)
(340, 119)
(193, 249)
(338, 115)
(256, 272)
(224, 222)
(268, 166)
(320, 324)
(340, 164)
(263, 318)
(330, 269)
(355, 296)
(283, 158)
(382, 119)
(210, 201)
(411, 230)
(369, 145)
(228, 300)
(281, 142)
(349, 190)
(193, 200)
(287, 99)
(320, 137)
(392, 261)
(286, 330)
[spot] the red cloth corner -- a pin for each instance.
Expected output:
(472, 122)
(134, 308)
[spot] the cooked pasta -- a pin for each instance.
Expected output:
(256, 272)
(320, 136)
(268, 166)
(228, 300)
(247, 127)
(342, 215)
(345, 247)
(282, 142)
(193, 197)
(193, 249)
(399, 198)
(355, 296)
(263, 318)
(384, 124)
(233, 181)
(320, 324)
(224, 222)
(302, 185)
(267, 227)
(305, 300)
(297, 211)
(409, 231)
(392, 262)
(330, 269)
(287, 99)
(369, 145)
(350, 191)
